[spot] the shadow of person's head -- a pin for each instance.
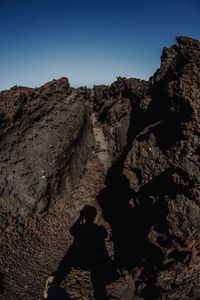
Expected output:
(88, 213)
(55, 292)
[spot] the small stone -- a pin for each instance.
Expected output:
(8, 229)
(20, 228)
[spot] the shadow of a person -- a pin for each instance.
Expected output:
(55, 292)
(88, 252)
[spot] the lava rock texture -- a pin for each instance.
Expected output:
(44, 145)
(132, 151)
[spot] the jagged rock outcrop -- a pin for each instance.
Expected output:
(46, 138)
(131, 150)
(113, 106)
(162, 168)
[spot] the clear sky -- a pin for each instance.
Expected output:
(89, 41)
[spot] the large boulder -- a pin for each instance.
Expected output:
(45, 141)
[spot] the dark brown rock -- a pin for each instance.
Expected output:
(113, 106)
(45, 143)
(162, 168)
(131, 150)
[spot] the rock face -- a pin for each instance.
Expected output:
(46, 138)
(162, 168)
(113, 106)
(131, 150)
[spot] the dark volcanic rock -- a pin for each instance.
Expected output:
(132, 151)
(113, 106)
(45, 141)
(163, 170)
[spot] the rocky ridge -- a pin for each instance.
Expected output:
(131, 150)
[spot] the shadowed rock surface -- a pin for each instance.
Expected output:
(131, 151)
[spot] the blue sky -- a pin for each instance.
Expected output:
(90, 42)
